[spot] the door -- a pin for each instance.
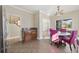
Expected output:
(45, 28)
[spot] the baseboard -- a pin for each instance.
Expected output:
(47, 38)
(12, 40)
(14, 37)
(40, 38)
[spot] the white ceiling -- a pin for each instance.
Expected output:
(48, 9)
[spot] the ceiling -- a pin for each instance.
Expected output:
(48, 9)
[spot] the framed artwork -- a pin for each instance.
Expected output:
(67, 24)
(14, 20)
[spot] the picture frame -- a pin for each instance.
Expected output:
(14, 20)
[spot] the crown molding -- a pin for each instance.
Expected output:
(21, 9)
(44, 13)
(26, 10)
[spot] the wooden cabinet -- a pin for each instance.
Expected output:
(29, 35)
(33, 33)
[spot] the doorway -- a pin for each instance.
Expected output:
(45, 28)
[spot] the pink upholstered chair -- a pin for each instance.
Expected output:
(53, 35)
(71, 40)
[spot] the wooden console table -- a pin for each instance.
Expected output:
(29, 35)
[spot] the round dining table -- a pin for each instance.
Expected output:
(61, 36)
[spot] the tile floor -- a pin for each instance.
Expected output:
(37, 46)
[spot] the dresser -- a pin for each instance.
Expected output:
(33, 33)
(29, 34)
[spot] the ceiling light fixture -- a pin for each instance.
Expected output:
(59, 11)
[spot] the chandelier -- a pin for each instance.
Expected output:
(59, 11)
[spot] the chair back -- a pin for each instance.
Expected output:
(52, 32)
(73, 36)
(54, 35)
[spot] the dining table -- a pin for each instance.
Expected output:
(64, 34)
(61, 36)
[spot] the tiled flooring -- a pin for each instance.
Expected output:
(37, 46)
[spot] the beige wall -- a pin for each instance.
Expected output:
(75, 16)
(75, 19)
(42, 16)
(36, 22)
(36, 19)
(39, 17)
(25, 17)
(52, 22)
(44, 27)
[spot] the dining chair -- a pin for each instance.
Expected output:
(71, 40)
(53, 36)
(77, 43)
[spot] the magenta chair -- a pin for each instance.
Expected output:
(71, 40)
(52, 33)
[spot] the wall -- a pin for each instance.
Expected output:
(43, 25)
(39, 17)
(52, 22)
(75, 19)
(36, 22)
(25, 17)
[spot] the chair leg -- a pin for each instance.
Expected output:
(51, 43)
(70, 48)
(77, 49)
(74, 46)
